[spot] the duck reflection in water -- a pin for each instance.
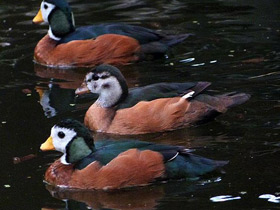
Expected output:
(56, 100)
(142, 198)
(57, 87)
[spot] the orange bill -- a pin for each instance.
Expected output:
(48, 145)
(38, 18)
(83, 89)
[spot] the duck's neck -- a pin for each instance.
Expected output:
(107, 100)
(99, 118)
(60, 24)
(76, 151)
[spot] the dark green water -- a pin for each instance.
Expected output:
(236, 47)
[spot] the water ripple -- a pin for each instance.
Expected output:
(270, 198)
(223, 198)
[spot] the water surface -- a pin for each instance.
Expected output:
(235, 46)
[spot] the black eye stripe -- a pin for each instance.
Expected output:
(97, 77)
(61, 134)
(104, 76)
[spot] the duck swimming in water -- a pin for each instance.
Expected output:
(88, 46)
(109, 164)
(153, 108)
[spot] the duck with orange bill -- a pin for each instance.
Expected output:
(154, 108)
(87, 46)
(109, 164)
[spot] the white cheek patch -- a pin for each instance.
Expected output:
(89, 76)
(61, 143)
(110, 92)
(111, 83)
(96, 86)
(108, 88)
(90, 83)
(92, 86)
(46, 9)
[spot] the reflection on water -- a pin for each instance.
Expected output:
(122, 199)
(223, 198)
(235, 46)
(56, 100)
(65, 78)
(270, 198)
(57, 89)
(147, 197)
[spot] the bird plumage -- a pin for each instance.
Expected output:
(86, 46)
(112, 164)
(154, 108)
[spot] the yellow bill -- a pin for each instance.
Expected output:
(48, 145)
(38, 18)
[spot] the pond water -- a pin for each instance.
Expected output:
(235, 46)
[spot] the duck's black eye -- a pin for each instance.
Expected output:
(95, 77)
(46, 6)
(61, 134)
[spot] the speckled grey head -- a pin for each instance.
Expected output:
(109, 83)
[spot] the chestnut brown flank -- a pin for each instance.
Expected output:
(146, 117)
(130, 168)
(109, 48)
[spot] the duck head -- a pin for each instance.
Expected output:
(58, 14)
(108, 82)
(71, 138)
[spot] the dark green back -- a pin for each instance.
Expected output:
(179, 162)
